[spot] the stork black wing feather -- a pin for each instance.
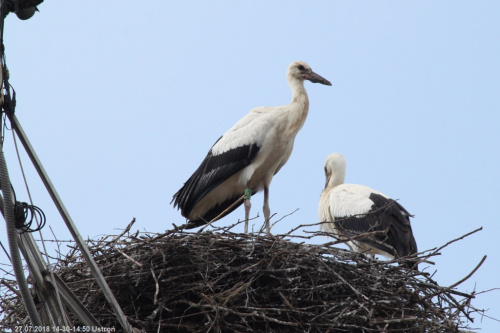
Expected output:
(352, 226)
(385, 214)
(213, 171)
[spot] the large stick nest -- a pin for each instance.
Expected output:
(221, 281)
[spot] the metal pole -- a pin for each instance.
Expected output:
(96, 272)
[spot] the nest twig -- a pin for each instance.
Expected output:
(221, 281)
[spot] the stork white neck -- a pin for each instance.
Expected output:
(299, 94)
(298, 108)
(335, 179)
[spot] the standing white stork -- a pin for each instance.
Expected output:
(244, 159)
(354, 209)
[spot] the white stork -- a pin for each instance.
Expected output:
(354, 209)
(244, 159)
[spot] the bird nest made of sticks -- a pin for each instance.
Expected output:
(221, 281)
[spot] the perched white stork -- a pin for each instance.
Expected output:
(244, 159)
(354, 209)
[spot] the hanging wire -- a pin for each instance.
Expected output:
(26, 216)
(29, 210)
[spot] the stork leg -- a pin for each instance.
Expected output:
(267, 211)
(248, 195)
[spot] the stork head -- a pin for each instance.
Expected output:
(299, 70)
(334, 170)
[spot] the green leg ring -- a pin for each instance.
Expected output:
(248, 194)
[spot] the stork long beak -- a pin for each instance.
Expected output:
(316, 78)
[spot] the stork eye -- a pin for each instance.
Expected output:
(300, 67)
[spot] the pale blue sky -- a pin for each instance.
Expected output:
(123, 101)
